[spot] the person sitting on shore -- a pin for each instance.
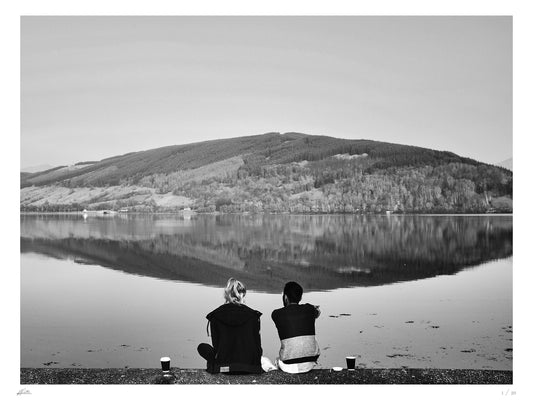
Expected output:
(296, 329)
(234, 333)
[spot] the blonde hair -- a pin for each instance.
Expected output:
(234, 291)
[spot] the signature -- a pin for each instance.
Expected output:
(23, 391)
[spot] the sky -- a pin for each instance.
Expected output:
(96, 87)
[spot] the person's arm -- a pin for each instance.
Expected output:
(215, 338)
(258, 335)
(316, 309)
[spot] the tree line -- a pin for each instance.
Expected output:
(330, 185)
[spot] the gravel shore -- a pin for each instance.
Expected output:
(128, 376)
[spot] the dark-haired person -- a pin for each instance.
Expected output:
(296, 329)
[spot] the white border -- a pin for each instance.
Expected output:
(10, 106)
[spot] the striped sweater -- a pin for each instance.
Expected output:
(296, 330)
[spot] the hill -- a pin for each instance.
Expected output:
(290, 172)
(267, 149)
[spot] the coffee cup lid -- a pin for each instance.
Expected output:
(165, 358)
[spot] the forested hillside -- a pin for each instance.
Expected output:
(274, 172)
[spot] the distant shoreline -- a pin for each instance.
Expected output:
(262, 213)
(128, 376)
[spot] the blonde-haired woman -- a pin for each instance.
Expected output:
(234, 334)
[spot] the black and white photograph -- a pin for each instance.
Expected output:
(266, 200)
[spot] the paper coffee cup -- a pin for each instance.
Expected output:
(350, 362)
(165, 364)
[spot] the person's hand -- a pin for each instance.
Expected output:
(317, 311)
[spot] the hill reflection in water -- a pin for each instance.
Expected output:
(322, 252)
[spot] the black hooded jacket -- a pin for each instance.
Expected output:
(236, 339)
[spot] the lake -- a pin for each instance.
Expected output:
(396, 291)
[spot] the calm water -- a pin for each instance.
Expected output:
(416, 291)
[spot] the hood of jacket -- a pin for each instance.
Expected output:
(233, 314)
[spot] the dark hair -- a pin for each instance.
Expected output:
(293, 291)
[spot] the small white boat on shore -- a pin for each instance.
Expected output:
(99, 213)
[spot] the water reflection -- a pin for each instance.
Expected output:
(322, 252)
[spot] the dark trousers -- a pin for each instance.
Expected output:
(208, 353)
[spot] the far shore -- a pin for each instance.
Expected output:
(92, 212)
